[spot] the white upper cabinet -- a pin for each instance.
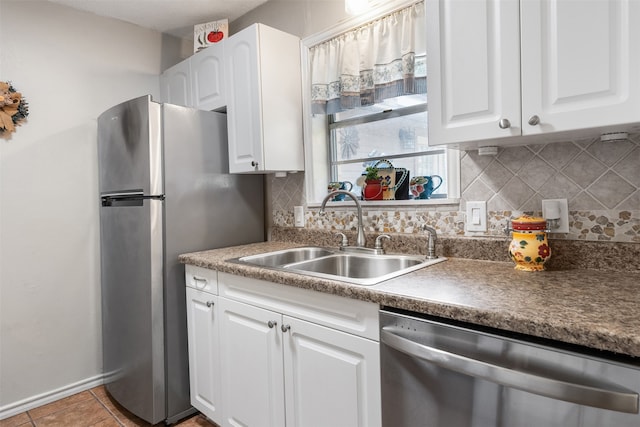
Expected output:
(264, 101)
(175, 85)
(580, 64)
(198, 81)
(500, 69)
(207, 78)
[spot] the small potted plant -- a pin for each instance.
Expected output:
(372, 188)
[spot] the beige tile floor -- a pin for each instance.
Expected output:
(91, 408)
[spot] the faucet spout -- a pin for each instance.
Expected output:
(360, 239)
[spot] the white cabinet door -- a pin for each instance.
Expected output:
(175, 85)
(244, 106)
(473, 70)
(331, 378)
(501, 68)
(264, 101)
(252, 366)
(580, 64)
(204, 360)
(207, 78)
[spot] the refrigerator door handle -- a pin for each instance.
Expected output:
(127, 199)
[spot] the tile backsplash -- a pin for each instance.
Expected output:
(600, 180)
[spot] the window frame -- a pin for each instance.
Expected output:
(316, 128)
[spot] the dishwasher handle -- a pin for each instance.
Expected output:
(582, 394)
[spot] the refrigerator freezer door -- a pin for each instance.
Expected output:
(132, 309)
(130, 148)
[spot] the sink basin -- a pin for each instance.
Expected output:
(287, 256)
(355, 268)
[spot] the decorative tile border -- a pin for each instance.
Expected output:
(565, 254)
(621, 226)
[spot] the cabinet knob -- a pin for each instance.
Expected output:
(504, 124)
(534, 120)
(285, 328)
(254, 163)
(210, 303)
(271, 324)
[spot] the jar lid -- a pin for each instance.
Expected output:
(526, 222)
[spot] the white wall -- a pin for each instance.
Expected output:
(70, 66)
(298, 17)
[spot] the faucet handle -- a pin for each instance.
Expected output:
(378, 244)
(344, 242)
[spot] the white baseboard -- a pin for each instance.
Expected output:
(50, 396)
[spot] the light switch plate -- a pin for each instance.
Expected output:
(298, 216)
(476, 219)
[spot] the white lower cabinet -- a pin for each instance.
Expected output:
(252, 366)
(331, 378)
(204, 351)
(264, 354)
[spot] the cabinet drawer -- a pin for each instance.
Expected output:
(344, 314)
(202, 279)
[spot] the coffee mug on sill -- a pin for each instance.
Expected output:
(339, 185)
(422, 187)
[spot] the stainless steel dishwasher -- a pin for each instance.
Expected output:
(438, 374)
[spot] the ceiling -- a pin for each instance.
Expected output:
(176, 17)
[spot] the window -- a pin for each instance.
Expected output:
(392, 132)
(361, 110)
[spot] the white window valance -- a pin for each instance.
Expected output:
(382, 59)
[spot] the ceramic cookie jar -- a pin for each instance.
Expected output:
(529, 248)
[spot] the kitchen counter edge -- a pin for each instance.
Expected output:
(590, 308)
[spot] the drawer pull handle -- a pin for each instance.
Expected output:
(198, 280)
(272, 324)
(210, 303)
(285, 328)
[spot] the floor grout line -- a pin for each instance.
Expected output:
(33, 423)
(117, 420)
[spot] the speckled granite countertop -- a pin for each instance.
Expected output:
(591, 308)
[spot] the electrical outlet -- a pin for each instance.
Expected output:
(559, 208)
(476, 216)
(298, 216)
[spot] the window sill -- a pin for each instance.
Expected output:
(389, 204)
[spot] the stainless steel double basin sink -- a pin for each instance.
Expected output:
(356, 268)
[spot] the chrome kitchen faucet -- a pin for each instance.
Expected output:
(360, 239)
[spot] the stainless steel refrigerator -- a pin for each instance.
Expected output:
(164, 190)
